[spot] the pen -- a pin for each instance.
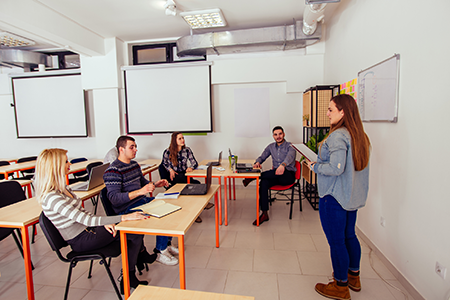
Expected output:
(167, 194)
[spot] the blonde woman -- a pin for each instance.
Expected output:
(82, 230)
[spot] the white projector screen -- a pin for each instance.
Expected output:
(49, 106)
(168, 98)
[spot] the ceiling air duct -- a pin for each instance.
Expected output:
(24, 59)
(247, 40)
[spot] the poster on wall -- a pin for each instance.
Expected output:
(378, 91)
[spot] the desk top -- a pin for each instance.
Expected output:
(176, 223)
(214, 173)
(153, 165)
(147, 292)
(18, 167)
(21, 213)
(81, 166)
(21, 181)
(9, 159)
(84, 195)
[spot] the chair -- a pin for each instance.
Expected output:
(78, 176)
(293, 186)
(3, 163)
(109, 210)
(57, 242)
(11, 192)
(88, 171)
(27, 174)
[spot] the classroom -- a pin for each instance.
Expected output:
(408, 158)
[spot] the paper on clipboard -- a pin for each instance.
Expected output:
(305, 151)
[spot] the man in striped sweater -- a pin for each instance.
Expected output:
(128, 188)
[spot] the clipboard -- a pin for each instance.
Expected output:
(305, 151)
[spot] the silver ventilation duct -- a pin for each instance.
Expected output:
(247, 40)
(24, 59)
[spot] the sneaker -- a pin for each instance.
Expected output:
(134, 282)
(209, 205)
(166, 258)
(173, 250)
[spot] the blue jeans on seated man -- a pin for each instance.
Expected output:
(161, 241)
(339, 227)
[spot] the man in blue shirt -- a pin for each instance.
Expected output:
(282, 172)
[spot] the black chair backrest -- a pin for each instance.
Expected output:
(3, 163)
(53, 236)
(106, 203)
(25, 159)
(77, 160)
(91, 165)
(10, 193)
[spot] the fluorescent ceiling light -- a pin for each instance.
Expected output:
(11, 40)
(320, 1)
(204, 18)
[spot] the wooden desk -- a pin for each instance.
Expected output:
(10, 160)
(153, 163)
(22, 215)
(228, 174)
(215, 174)
(146, 292)
(175, 224)
(6, 170)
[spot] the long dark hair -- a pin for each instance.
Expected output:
(173, 148)
(352, 122)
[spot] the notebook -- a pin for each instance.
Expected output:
(95, 179)
(305, 151)
(217, 163)
(158, 208)
(198, 189)
(244, 166)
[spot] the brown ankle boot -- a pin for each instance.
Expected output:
(333, 291)
(354, 283)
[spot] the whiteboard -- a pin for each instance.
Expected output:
(168, 97)
(49, 106)
(378, 91)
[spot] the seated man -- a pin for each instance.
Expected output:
(127, 188)
(282, 173)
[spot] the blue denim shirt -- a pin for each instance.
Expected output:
(336, 173)
(280, 154)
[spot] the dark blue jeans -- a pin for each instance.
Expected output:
(161, 241)
(339, 227)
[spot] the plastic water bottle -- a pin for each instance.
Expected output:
(233, 164)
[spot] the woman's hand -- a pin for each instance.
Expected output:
(138, 215)
(311, 164)
(162, 182)
(111, 229)
(172, 174)
(189, 170)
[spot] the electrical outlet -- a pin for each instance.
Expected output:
(440, 270)
(382, 222)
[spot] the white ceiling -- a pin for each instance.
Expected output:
(145, 20)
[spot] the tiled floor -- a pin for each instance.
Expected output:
(281, 260)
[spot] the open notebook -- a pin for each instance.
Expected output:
(159, 208)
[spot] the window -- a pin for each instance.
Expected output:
(159, 53)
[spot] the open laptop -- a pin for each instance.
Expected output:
(217, 163)
(241, 165)
(95, 179)
(198, 189)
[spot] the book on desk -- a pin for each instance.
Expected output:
(158, 208)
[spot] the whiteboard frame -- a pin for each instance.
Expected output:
(361, 95)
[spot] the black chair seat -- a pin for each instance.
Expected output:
(112, 250)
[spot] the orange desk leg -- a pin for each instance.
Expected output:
(125, 270)
(220, 203)
(182, 262)
(67, 179)
(216, 211)
(225, 204)
(27, 261)
(229, 186)
(28, 187)
(234, 188)
(257, 201)
(189, 179)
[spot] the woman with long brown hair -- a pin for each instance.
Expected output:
(342, 170)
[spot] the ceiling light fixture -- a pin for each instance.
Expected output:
(320, 1)
(204, 18)
(171, 8)
(11, 40)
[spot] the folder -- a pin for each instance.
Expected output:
(305, 151)
(159, 208)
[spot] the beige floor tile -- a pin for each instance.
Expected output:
(231, 259)
(197, 257)
(315, 263)
(299, 287)
(100, 280)
(191, 236)
(373, 289)
(204, 280)
(274, 226)
(306, 226)
(262, 286)
(254, 240)
(397, 290)
(208, 238)
(57, 293)
(321, 243)
(238, 225)
(55, 273)
(11, 290)
(290, 241)
(160, 275)
(276, 261)
(99, 295)
(367, 271)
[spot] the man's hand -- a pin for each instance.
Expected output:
(257, 165)
(162, 182)
(172, 174)
(148, 188)
(280, 170)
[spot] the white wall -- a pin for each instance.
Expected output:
(409, 162)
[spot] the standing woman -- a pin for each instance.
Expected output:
(82, 230)
(342, 170)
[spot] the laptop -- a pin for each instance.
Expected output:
(198, 189)
(217, 163)
(95, 179)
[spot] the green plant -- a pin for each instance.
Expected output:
(314, 140)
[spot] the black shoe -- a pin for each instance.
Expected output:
(145, 257)
(247, 181)
(262, 219)
(134, 282)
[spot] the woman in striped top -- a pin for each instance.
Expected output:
(82, 230)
